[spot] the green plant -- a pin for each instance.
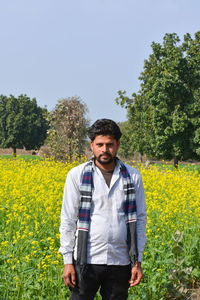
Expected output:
(180, 273)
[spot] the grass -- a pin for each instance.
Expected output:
(25, 157)
(186, 167)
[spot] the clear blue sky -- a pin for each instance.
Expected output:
(88, 48)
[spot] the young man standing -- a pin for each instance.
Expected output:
(103, 221)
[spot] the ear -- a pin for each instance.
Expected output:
(91, 145)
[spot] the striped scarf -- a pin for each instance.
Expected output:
(86, 189)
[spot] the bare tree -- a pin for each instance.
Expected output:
(68, 128)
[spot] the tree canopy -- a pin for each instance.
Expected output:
(22, 123)
(164, 116)
(126, 144)
(68, 128)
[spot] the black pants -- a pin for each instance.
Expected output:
(112, 281)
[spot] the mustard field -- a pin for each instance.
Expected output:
(30, 203)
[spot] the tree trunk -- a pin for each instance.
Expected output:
(176, 163)
(14, 152)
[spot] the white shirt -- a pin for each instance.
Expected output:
(107, 233)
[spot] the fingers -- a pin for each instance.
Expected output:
(136, 282)
(136, 276)
(73, 278)
(69, 276)
(68, 281)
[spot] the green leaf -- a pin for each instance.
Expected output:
(177, 250)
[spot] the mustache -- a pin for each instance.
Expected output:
(105, 153)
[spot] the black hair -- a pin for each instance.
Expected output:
(104, 127)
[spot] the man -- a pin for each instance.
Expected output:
(103, 221)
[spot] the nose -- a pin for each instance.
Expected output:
(105, 148)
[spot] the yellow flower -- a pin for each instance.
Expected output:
(27, 258)
(32, 194)
(4, 244)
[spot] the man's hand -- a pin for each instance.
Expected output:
(69, 275)
(136, 274)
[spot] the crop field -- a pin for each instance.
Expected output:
(30, 203)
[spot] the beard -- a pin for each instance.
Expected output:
(107, 161)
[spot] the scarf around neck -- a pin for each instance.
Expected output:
(86, 190)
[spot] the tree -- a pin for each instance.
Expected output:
(138, 124)
(165, 113)
(126, 146)
(22, 123)
(68, 128)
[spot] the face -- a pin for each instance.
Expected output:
(104, 148)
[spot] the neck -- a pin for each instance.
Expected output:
(106, 167)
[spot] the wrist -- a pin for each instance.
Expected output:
(138, 264)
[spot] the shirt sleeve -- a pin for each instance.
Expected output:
(141, 216)
(69, 216)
